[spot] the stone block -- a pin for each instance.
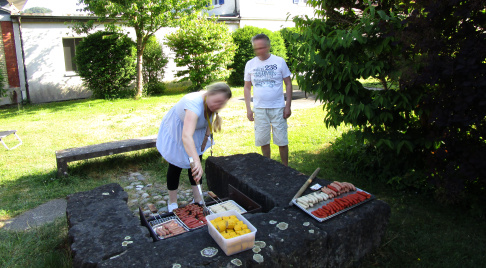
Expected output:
(286, 236)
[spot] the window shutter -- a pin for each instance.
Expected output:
(221, 2)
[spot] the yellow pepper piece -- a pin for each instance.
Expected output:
(225, 218)
(221, 226)
(231, 224)
(218, 219)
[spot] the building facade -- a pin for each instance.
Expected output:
(42, 46)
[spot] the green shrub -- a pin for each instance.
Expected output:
(430, 116)
(242, 38)
(154, 62)
(3, 90)
(372, 164)
(156, 88)
(106, 63)
(292, 47)
(38, 10)
(206, 48)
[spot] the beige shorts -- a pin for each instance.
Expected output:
(267, 119)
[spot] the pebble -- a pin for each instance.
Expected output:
(163, 210)
(146, 213)
(128, 187)
(136, 183)
(144, 201)
(166, 197)
(140, 178)
(148, 185)
(161, 203)
(157, 197)
(135, 174)
(133, 202)
(145, 195)
(183, 203)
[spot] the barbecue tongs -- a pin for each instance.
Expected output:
(205, 209)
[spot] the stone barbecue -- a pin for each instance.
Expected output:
(104, 233)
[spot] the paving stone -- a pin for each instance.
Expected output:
(38, 216)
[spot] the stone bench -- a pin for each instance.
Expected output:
(104, 233)
(103, 149)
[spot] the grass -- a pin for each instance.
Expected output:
(421, 233)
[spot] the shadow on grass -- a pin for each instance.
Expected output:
(45, 246)
(32, 190)
(174, 88)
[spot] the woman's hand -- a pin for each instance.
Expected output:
(197, 170)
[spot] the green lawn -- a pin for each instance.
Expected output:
(421, 233)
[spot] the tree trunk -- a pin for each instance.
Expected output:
(139, 73)
(139, 79)
(140, 49)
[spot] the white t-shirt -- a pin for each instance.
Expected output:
(267, 79)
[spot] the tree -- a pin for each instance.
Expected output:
(154, 62)
(146, 17)
(293, 57)
(242, 38)
(429, 58)
(3, 90)
(106, 63)
(206, 48)
(34, 10)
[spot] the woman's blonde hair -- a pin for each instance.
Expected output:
(218, 88)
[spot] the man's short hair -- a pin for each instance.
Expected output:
(261, 37)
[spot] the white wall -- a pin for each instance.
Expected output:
(272, 14)
(44, 58)
(227, 8)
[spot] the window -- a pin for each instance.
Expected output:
(69, 45)
(218, 2)
(302, 1)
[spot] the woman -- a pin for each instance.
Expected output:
(185, 132)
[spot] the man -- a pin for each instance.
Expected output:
(270, 111)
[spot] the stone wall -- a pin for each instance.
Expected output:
(103, 233)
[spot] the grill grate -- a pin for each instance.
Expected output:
(159, 221)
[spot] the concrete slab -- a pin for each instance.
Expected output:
(38, 216)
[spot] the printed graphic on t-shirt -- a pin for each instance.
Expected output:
(263, 76)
